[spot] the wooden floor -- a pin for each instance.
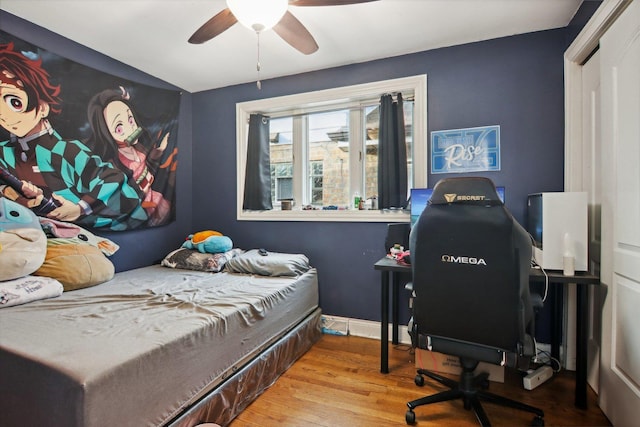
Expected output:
(338, 383)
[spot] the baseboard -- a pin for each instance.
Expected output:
(337, 325)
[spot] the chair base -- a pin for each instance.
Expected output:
(471, 389)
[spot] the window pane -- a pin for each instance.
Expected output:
(328, 136)
(316, 183)
(281, 153)
(371, 124)
(408, 126)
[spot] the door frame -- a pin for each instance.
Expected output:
(576, 54)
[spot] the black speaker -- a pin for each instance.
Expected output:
(397, 232)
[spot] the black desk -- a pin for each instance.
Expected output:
(389, 267)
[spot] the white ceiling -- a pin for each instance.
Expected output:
(151, 35)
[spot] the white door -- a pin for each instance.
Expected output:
(620, 263)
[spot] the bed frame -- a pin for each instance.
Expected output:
(66, 360)
(227, 401)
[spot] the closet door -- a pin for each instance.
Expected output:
(620, 263)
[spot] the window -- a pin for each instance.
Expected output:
(324, 150)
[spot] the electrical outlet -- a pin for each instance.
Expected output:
(537, 377)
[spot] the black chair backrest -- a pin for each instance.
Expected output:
(470, 262)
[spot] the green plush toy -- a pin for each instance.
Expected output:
(209, 241)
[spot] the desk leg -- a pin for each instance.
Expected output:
(394, 308)
(384, 324)
(582, 302)
(556, 320)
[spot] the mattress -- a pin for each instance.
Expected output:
(140, 349)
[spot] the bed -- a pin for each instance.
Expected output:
(154, 346)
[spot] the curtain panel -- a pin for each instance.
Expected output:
(392, 154)
(257, 181)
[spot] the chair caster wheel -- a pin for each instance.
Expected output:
(419, 380)
(538, 422)
(410, 417)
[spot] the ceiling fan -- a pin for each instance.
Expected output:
(261, 15)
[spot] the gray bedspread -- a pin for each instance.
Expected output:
(139, 349)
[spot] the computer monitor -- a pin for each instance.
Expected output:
(421, 196)
(419, 199)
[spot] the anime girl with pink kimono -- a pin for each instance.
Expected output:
(119, 138)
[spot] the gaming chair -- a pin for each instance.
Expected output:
(470, 262)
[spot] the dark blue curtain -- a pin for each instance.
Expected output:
(392, 154)
(257, 181)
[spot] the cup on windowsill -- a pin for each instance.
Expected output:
(286, 204)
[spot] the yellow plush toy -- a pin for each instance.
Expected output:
(201, 236)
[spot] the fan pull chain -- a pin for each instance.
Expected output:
(258, 83)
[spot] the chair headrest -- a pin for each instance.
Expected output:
(465, 190)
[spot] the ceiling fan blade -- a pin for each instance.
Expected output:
(214, 26)
(293, 32)
(326, 2)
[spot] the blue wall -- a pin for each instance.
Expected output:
(515, 82)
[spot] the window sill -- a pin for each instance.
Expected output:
(327, 215)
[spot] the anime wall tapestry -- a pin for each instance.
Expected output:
(83, 146)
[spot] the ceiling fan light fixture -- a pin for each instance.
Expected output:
(259, 15)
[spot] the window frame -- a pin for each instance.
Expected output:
(318, 101)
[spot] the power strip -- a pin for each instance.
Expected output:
(537, 377)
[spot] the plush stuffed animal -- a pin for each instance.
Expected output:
(209, 241)
(23, 243)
